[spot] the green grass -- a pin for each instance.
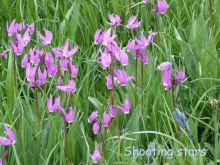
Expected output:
(185, 41)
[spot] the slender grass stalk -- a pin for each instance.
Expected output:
(65, 130)
(177, 128)
(103, 143)
(158, 35)
(111, 99)
(114, 102)
(211, 20)
(38, 115)
(142, 85)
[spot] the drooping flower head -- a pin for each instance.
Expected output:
(126, 107)
(180, 75)
(115, 20)
(31, 28)
(47, 39)
(12, 28)
(74, 69)
(109, 81)
(97, 37)
(52, 107)
(69, 88)
(30, 72)
(106, 119)
(93, 116)
(66, 52)
(164, 66)
(11, 135)
(131, 24)
(68, 117)
(96, 127)
(107, 38)
(4, 53)
(162, 6)
(17, 48)
(167, 75)
(96, 156)
(42, 76)
(122, 78)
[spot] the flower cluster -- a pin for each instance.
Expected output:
(167, 75)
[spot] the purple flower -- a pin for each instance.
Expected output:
(68, 117)
(93, 116)
(67, 53)
(121, 75)
(4, 53)
(164, 66)
(52, 69)
(26, 38)
(107, 39)
(166, 77)
(96, 127)
(147, 41)
(11, 135)
(106, 119)
(146, 1)
(50, 105)
(24, 61)
(123, 58)
(96, 156)
(64, 63)
(126, 107)
(22, 26)
(109, 81)
(112, 109)
(59, 81)
(47, 39)
(162, 6)
(130, 45)
(74, 69)
(49, 59)
(131, 24)
(97, 37)
(115, 20)
(12, 28)
(30, 72)
(152, 10)
(17, 48)
(31, 28)
(42, 76)
(69, 88)
(57, 52)
(144, 58)
(180, 75)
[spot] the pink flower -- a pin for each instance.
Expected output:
(50, 105)
(12, 28)
(31, 28)
(121, 75)
(42, 76)
(17, 48)
(47, 39)
(162, 6)
(164, 66)
(126, 107)
(11, 135)
(106, 119)
(115, 20)
(74, 69)
(146, 1)
(68, 117)
(96, 127)
(123, 58)
(131, 24)
(30, 72)
(93, 116)
(180, 75)
(96, 156)
(107, 39)
(109, 81)
(97, 37)
(166, 77)
(4, 53)
(69, 88)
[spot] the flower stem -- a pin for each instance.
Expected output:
(65, 130)
(158, 35)
(142, 85)
(38, 115)
(177, 128)
(211, 20)
(103, 144)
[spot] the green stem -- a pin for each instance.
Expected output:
(142, 85)
(158, 35)
(177, 128)
(65, 130)
(103, 144)
(211, 19)
(38, 115)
